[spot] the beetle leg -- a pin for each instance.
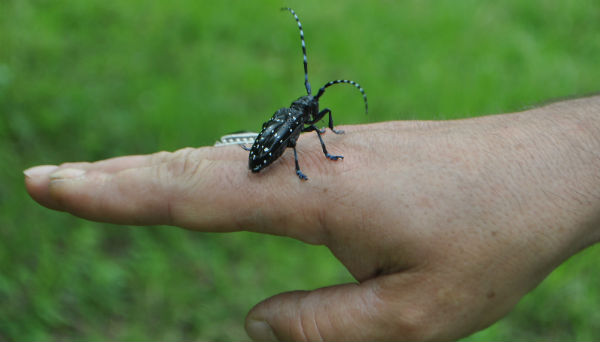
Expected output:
(298, 172)
(328, 111)
(320, 116)
(314, 128)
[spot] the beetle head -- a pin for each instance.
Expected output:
(307, 105)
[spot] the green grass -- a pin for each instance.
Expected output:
(86, 80)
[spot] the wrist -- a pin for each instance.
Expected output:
(564, 149)
(579, 122)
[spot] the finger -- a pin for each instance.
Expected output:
(191, 188)
(112, 164)
(37, 179)
(121, 163)
(36, 183)
(158, 194)
(346, 312)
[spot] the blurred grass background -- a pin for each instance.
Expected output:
(87, 80)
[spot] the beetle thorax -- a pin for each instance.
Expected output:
(307, 105)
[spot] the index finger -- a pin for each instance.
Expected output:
(206, 189)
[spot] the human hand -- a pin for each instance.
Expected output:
(445, 225)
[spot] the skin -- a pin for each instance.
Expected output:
(445, 225)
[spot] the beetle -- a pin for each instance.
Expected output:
(284, 128)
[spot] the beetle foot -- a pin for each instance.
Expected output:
(333, 157)
(338, 131)
(322, 130)
(301, 175)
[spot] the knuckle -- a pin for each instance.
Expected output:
(405, 324)
(160, 157)
(414, 325)
(74, 165)
(181, 165)
(305, 328)
(409, 319)
(308, 327)
(179, 174)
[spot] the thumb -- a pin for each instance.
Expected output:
(343, 312)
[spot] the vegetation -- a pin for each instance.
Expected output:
(87, 80)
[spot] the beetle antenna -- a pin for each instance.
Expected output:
(306, 83)
(329, 84)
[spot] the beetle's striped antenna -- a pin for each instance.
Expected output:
(306, 83)
(329, 84)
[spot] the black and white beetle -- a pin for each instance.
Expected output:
(284, 128)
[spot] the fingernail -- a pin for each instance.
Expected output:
(260, 331)
(67, 174)
(38, 171)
